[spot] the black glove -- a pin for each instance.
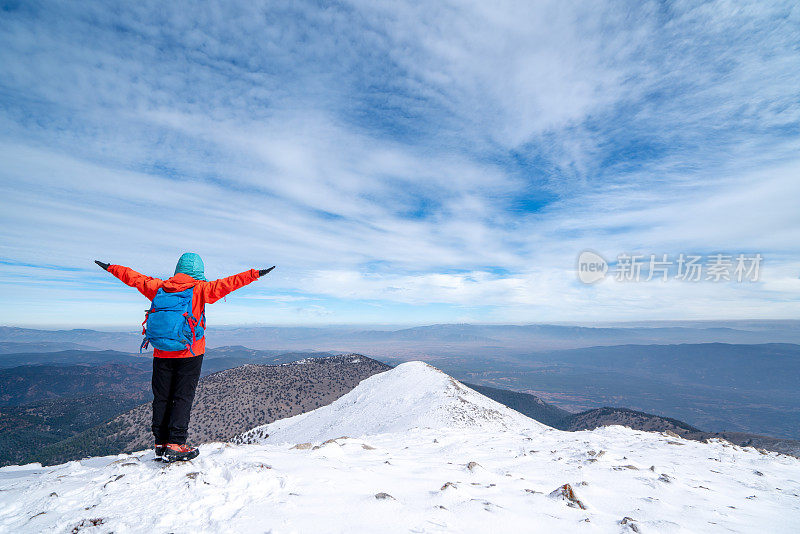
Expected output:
(102, 265)
(262, 272)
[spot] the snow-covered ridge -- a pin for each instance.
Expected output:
(412, 395)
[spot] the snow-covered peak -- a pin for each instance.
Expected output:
(412, 395)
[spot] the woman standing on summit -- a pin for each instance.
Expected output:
(175, 325)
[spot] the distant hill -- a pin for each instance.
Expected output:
(35, 383)
(11, 347)
(123, 341)
(71, 357)
(228, 403)
(599, 417)
(525, 403)
(591, 419)
(766, 366)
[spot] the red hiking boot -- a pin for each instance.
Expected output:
(174, 452)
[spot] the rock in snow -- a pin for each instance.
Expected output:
(568, 494)
(421, 428)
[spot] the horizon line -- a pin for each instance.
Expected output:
(585, 324)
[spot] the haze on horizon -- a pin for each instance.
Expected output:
(401, 164)
(736, 324)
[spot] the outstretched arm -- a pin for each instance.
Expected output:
(147, 285)
(213, 291)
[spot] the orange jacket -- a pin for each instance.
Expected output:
(204, 293)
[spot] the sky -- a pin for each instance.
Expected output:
(400, 162)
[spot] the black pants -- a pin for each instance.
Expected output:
(174, 384)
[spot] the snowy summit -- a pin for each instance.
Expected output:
(413, 395)
(411, 449)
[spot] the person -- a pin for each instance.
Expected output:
(175, 326)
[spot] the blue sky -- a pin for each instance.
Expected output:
(400, 162)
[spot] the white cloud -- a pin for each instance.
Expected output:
(379, 151)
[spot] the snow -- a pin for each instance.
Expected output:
(272, 486)
(412, 395)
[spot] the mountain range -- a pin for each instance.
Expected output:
(439, 339)
(720, 377)
(237, 399)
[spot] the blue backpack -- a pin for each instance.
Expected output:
(169, 323)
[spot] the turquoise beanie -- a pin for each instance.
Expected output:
(191, 264)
